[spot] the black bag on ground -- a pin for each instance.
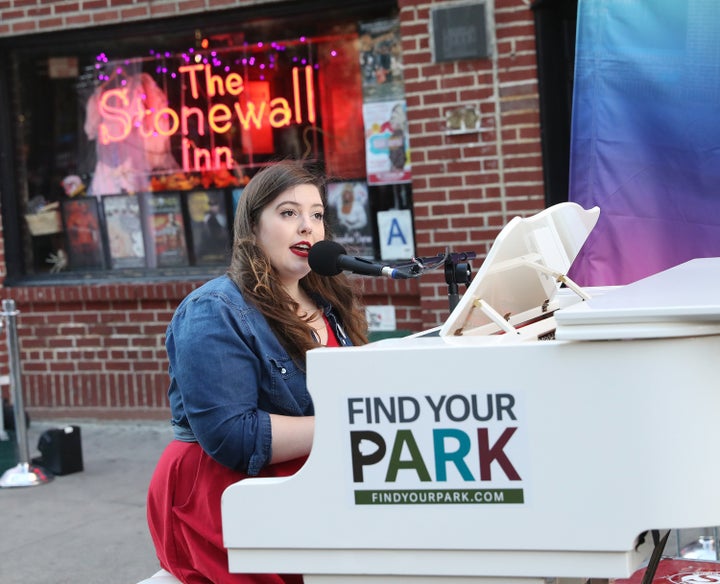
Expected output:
(61, 450)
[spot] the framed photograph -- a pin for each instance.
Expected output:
(349, 210)
(124, 232)
(165, 228)
(81, 219)
(381, 62)
(209, 227)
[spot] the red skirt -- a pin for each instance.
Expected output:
(183, 510)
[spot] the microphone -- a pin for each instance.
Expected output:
(328, 258)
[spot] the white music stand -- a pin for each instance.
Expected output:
(523, 271)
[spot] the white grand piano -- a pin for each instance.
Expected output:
(535, 435)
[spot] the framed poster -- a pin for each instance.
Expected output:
(349, 209)
(166, 231)
(209, 227)
(387, 147)
(381, 62)
(123, 227)
(81, 218)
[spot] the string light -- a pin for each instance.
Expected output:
(221, 59)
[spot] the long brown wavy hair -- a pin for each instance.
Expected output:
(258, 280)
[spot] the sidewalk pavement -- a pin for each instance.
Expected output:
(86, 527)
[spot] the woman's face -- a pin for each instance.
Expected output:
(288, 227)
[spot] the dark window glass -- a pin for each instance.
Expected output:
(127, 148)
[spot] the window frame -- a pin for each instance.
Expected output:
(18, 273)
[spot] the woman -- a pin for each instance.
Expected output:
(236, 348)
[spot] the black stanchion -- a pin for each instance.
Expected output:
(25, 474)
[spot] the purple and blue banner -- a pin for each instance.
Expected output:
(645, 143)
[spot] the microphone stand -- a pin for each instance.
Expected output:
(457, 270)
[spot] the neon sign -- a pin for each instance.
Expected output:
(121, 113)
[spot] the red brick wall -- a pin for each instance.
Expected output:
(98, 350)
(95, 349)
(466, 187)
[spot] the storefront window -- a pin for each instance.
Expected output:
(130, 155)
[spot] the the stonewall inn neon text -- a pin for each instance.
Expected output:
(121, 114)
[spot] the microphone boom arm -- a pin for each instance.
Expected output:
(456, 265)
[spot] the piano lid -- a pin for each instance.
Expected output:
(681, 301)
(524, 269)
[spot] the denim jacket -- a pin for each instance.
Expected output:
(228, 372)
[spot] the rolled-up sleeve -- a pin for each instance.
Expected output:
(215, 375)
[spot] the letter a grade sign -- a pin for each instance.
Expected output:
(396, 234)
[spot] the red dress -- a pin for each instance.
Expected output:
(183, 510)
(184, 518)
